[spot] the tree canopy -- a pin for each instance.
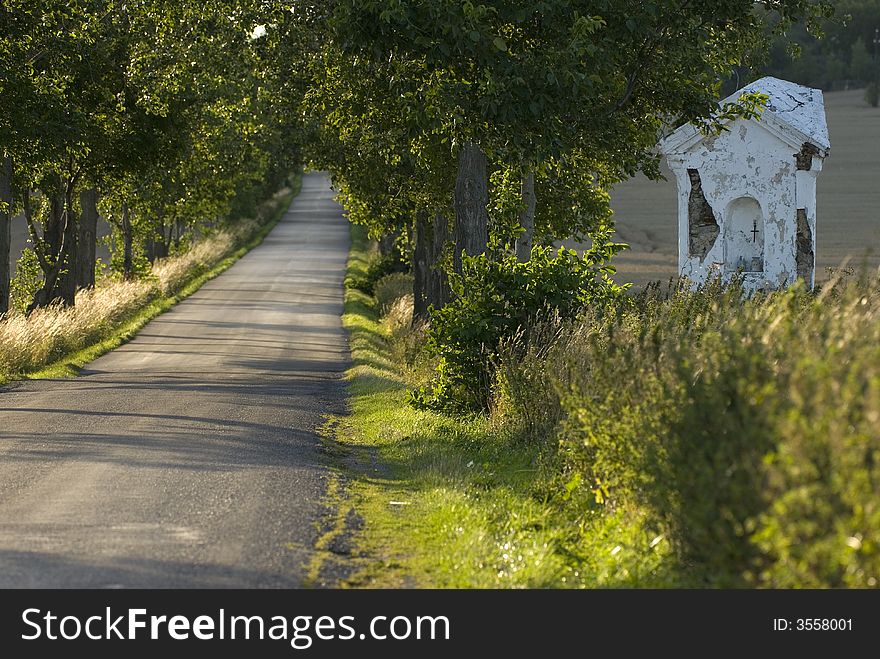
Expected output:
(176, 115)
(514, 117)
(500, 124)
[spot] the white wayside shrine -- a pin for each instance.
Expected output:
(747, 197)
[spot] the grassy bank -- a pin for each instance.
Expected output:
(679, 438)
(462, 501)
(57, 342)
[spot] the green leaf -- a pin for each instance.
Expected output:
(571, 486)
(500, 44)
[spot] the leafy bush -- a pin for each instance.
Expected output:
(139, 261)
(27, 281)
(494, 298)
(380, 266)
(746, 427)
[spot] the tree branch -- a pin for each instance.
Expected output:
(39, 244)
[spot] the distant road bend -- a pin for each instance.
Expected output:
(187, 457)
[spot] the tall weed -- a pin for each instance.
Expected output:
(748, 427)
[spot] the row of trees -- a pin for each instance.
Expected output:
(159, 116)
(846, 55)
(456, 127)
(487, 127)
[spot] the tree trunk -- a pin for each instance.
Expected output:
(152, 249)
(87, 238)
(178, 232)
(157, 248)
(438, 281)
(386, 242)
(527, 218)
(68, 257)
(5, 230)
(50, 249)
(166, 240)
(421, 264)
(471, 199)
(127, 244)
(53, 233)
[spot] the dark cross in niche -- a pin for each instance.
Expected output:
(754, 231)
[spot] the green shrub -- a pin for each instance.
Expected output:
(379, 266)
(494, 299)
(27, 281)
(748, 428)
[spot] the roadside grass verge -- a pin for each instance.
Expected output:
(462, 501)
(676, 438)
(57, 342)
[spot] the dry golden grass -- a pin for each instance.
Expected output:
(390, 289)
(398, 316)
(28, 343)
(172, 273)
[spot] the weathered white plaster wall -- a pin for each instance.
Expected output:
(756, 159)
(746, 161)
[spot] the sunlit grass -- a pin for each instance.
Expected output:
(680, 438)
(460, 502)
(746, 428)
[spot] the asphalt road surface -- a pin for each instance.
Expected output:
(187, 457)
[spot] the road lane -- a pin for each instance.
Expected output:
(187, 457)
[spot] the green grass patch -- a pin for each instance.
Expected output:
(460, 501)
(679, 437)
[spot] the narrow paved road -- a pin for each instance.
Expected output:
(187, 457)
